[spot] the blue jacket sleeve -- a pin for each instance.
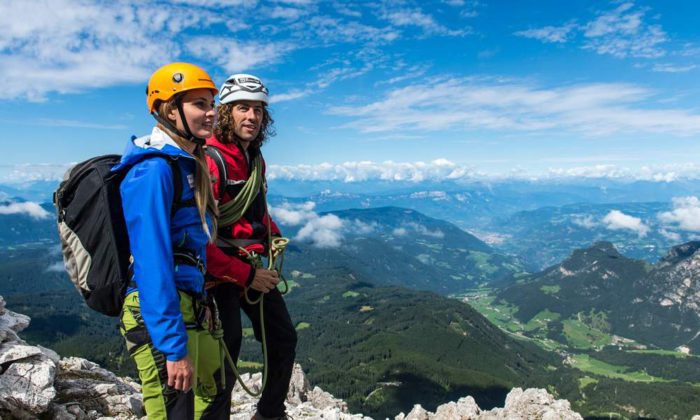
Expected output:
(147, 196)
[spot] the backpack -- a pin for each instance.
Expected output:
(92, 230)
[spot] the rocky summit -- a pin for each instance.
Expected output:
(37, 382)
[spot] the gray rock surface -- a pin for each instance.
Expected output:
(531, 404)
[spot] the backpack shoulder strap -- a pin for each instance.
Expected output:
(218, 159)
(178, 186)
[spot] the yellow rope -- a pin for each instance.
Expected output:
(231, 211)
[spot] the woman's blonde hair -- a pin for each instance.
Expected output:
(203, 193)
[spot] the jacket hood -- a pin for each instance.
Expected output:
(157, 143)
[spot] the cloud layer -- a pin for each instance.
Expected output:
(685, 214)
(617, 220)
(491, 104)
(28, 208)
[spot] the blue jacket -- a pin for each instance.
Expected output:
(147, 197)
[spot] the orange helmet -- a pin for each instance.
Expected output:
(175, 78)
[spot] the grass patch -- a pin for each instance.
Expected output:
(671, 353)
(584, 332)
(499, 315)
(291, 284)
(350, 294)
(481, 261)
(588, 364)
(585, 381)
(243, 364)
(541, 320)
(297, 274)
(550, 290)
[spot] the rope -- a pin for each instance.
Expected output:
(229, 213)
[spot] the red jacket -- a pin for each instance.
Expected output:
(225, 264)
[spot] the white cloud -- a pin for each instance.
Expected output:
(594, 171)
(217, 3)
(439, 169)
(549, 33)
(24, 173)
(70, 45)
(289, 96)
(622, 32)
(685, 214)
(57, 267)
(672, 68)
(327, 30)
(423, 230)
(400, 232)
(483, 103)
(358, 227)
(671, 236)
(323, 232)
(293, 215)
(27, 208)
(617, 220)
(585, 221)
(286, 13)
(236, 56)
(415, 17)
(445, 170)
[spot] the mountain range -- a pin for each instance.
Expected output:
(613, 295)
(377, 328)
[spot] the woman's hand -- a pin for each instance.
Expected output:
(264, 280)
(180, 374)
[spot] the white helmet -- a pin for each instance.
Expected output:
(243, 87)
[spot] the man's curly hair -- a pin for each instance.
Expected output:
(225, 124)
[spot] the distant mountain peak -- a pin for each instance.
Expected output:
(594, 255)
(680, 252)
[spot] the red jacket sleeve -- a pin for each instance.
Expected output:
(227, 268)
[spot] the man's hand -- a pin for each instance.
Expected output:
(180, 374)
(264, 280)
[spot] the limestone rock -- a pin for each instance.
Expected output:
(94, 388)
(27, 386)
(465, 408)
(11, 352)
(298, 386)
(13, 321)
(324, 400)
(417, 413)
(532, 404)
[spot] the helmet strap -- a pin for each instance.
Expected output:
(188, 134)
(170, 126)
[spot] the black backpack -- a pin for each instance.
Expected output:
(91, 226)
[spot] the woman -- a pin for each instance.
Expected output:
(170, 328)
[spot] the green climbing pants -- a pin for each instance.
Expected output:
(207, 399)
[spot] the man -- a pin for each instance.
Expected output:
(243, 125)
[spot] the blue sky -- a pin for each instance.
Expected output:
(387, 89)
